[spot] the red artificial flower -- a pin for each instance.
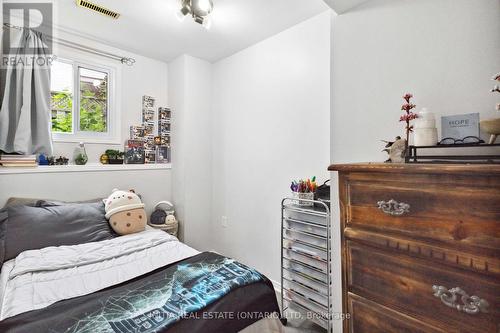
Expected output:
(408, 107)
(408, 117)
(407, 97)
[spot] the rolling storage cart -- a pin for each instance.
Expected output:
(306, 261)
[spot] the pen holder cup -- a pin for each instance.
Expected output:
(307, 196)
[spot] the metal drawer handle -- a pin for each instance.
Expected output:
(394, 208)
(458, 299)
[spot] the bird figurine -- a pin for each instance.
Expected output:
(492, 126)
(390, 143)
(396, 150)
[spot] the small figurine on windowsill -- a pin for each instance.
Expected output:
(57, 161)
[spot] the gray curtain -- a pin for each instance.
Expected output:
(25, 120)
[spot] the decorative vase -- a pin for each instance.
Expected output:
(492, 127)
(80, 155)
(425, 132)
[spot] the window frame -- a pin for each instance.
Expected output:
(113, 123)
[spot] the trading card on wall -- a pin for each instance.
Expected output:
(148, 101)
(136, 132)
(150, 156)
(148, 115)
(164, 114)
(162, 154)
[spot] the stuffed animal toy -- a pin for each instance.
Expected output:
(125, 212)
(170, 220)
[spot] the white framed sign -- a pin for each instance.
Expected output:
(460, 126)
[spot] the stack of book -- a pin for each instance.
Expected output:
(19, 161)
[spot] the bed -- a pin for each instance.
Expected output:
(65, 271)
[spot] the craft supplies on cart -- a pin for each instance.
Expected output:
(303, 191)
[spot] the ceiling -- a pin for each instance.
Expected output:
(151, 28)
(342, 6)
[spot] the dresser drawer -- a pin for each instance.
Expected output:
(406, 286)
(369, 317)
(463, 216)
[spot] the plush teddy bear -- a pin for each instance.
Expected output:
(125, 212)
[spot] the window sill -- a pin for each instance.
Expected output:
(87, 140)
(91, 167)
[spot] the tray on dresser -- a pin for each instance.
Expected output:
(414, 156)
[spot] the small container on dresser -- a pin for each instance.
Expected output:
(425, 130)
(420, 247)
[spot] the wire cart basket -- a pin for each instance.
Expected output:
(306, 286)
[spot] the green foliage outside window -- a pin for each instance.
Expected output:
(62, 114)
(93, 109)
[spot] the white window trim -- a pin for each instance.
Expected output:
(113, 135)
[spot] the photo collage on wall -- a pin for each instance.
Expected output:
(144, 146)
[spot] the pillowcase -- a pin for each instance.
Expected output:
(20, 201)
(28, 228)
(14, 201)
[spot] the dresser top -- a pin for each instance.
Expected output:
(484, 169)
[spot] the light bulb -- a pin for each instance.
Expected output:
(202, 7)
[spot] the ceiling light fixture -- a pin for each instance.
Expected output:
(198, 9)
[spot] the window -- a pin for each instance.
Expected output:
(81, 102)
(93, 100)
(61, 93)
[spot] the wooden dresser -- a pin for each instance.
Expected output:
(420, 247)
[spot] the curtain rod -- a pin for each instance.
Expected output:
(124, 60)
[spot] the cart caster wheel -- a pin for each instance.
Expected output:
(284, 321)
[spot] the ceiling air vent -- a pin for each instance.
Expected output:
(97, 8)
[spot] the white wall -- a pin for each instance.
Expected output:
(147, 77)
(190, 82)
(443, 51)
(153, 185)
(270, 125)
